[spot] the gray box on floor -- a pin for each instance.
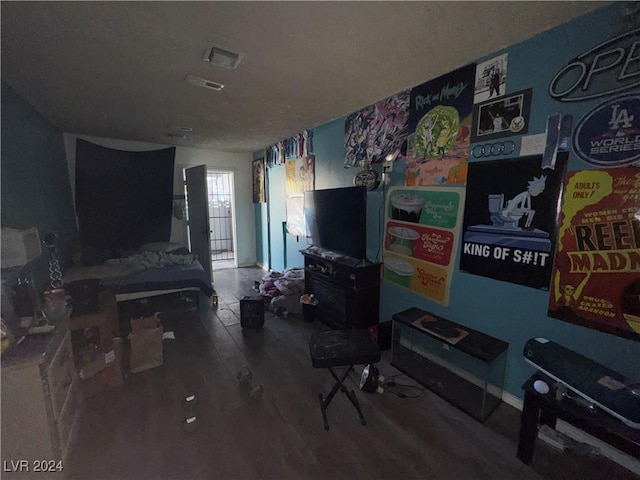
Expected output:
(252, 311)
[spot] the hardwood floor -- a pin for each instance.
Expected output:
(136, 431)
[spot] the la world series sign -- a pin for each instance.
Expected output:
(609, 135)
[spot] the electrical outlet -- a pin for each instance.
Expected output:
(387, 167)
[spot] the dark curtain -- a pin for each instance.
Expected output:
(123, 199)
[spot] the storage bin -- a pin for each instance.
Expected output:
(252, 311)
(468, 373)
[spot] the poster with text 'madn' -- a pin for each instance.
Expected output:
(596, 274)
(421, 231)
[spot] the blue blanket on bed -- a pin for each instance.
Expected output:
(164, 278)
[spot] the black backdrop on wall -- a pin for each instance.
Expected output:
(123, 199)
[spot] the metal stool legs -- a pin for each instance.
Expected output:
(339, 385)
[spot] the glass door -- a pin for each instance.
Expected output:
(222, 219)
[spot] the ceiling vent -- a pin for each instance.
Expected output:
(222, 56)
(203, 82)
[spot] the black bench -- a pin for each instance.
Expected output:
(342, 348)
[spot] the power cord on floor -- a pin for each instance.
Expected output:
(391, 383)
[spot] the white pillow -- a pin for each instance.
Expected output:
(161, 247)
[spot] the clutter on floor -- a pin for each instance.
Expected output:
(189, 404)
(284, 290)
(146, 343)
(244, 377)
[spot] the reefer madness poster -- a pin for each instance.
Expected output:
(511, 219)
(596, 276)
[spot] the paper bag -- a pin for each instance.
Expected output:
(109, 376)
(146, 343)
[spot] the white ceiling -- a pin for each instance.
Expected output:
(117, 69)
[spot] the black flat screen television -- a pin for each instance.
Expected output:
(336, 220)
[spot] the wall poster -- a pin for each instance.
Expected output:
(439, 126)
(501, 117)
(491, 78)
(596, 278)
(299, 177)
(510, 219)
(376, 131)
(422, 226)
(259, 190)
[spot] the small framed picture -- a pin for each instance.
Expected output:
(501, 117)
(259, 192)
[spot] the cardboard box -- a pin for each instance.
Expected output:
(105, 373)
(146, 343)
(98, 328)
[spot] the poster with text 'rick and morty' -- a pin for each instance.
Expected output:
(439, 129)
(596, 277)
(422, 227)
(510, 219)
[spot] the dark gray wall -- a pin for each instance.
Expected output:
(35, 180)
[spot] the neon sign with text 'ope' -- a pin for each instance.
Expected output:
(608, 68)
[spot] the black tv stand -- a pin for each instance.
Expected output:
(363, 263)
(348, 290)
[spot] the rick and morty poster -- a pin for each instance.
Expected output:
(422, 229)
(439, 129)
(596, 278)
(510, 219)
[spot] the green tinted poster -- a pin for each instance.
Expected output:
(421, 237)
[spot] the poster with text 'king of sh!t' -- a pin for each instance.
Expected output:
(510, 219)
(596, 274)
(421, 234)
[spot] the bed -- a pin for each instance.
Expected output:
(145, 273)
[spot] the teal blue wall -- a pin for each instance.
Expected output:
(262, 228)
(508, 311)
(36, 191)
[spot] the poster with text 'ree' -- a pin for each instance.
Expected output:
(596, 275)
(421, 231)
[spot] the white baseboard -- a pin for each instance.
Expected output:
(605, 449)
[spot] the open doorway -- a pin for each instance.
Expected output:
(222, 222)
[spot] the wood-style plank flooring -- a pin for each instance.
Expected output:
(136, 431)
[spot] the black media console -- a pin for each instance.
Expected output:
(348, 291)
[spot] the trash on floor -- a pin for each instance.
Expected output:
(168, 336)
(309, 303)
(146, 343)
(244, 377)
(562, 442)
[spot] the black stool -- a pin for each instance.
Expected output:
(342, 348)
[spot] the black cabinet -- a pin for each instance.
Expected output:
(348, 291)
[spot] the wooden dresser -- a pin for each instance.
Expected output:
(40, 399)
